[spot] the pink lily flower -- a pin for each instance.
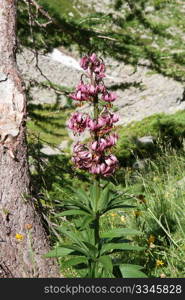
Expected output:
(93, 58)
(109, 97)
(78, 122)
(84, 62)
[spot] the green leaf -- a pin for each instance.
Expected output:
(86, 221)
(72, 212)
(119, 232)
(93, 195)
(74, 236)
(75, 261)
(81, 195)
(59, 252)
(131, 271)
(78, 250)
(121, 246)
(76, 204)
(106, 261)
(93, 251)
(104, 198)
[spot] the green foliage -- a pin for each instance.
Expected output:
(92, 248)
(167, 130)
(132, 271)
(159, 190)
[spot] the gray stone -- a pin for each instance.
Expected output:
(140, 164)
(181, 183)
(63, 145)
(149, 9)
(50, 151)
(146, 140)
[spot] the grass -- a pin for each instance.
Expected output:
(167, 130)
(160, 213)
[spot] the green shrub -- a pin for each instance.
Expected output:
(168, 132)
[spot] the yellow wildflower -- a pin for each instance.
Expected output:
(19, 236)
(159, 263)
(137, 213)
(151, 239)
(123, 219)
(113, 215)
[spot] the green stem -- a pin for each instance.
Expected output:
(97, 182)
(97, 187)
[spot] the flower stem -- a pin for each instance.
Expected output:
(97, 218)
(97, 177)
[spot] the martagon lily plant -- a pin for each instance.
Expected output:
(90, 249)
(95, 157)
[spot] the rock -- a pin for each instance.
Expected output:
(50, 151)
(149, 9)
(140, 164)
(181, 182)
(145, 93)
(146, 140)
(63, 145)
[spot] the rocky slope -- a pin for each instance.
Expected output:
(140, 93)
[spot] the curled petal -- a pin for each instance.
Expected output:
(109, 97)
(94, 145)
(84, 62)
(115, 118)
(93, 58)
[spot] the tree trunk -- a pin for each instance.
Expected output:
(23, 240)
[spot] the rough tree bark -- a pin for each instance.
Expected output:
(23, 240)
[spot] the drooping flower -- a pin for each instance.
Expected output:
(104, 123)
(111, 140)
(101, 88)
(92, 90)
(99, 70)
(94, 64)
(78, 122)
(93, 58)
(84, 92)
(109, 96)
(84, 62)
(99, 146)
(82, 157)
(81, 93)
(104, 143)
(105, 166)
